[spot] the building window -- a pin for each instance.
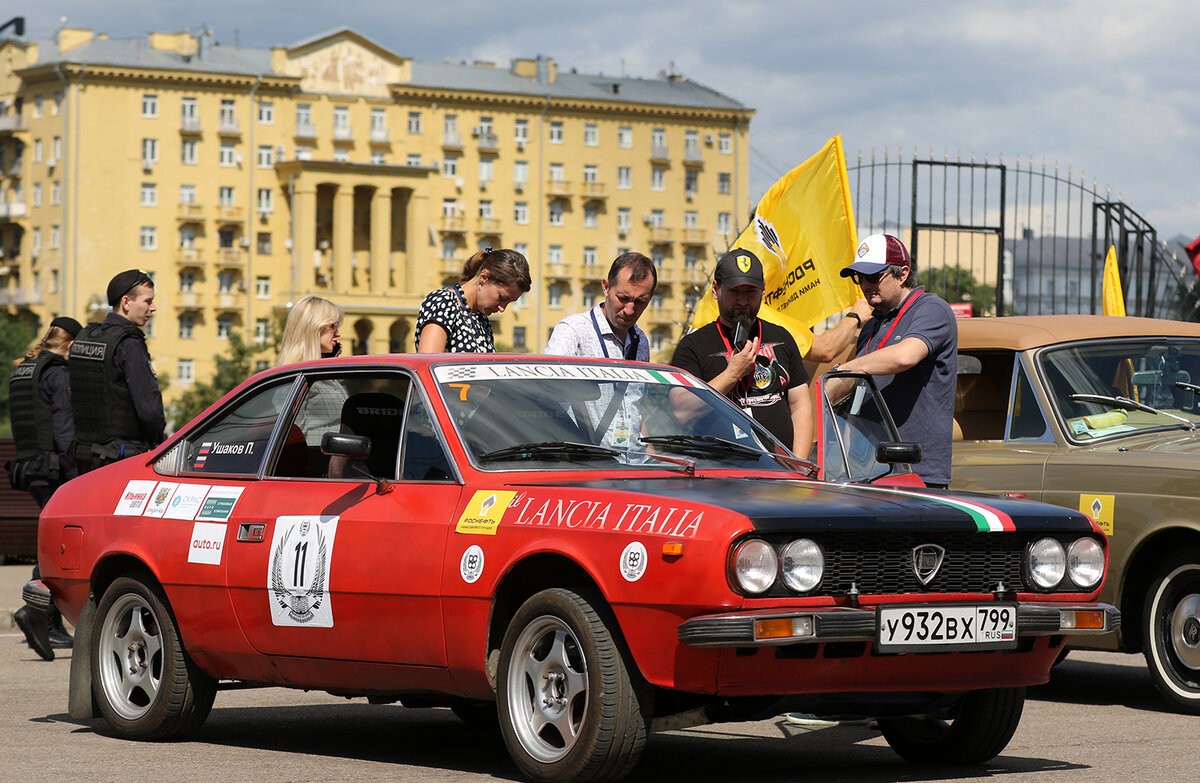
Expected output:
(591, 134)
(266, 201)
(56, 192)
(187, 237)
(725, 144)
(657, 256)
(225, 196)
(37, 107)
(378, 158)
(266, 156)
(449, 207)
(555, 211)
(520, 172)
(656, 218)
(518, 336)
(58, 100)
(723, 223)
(379, 125)
(554, 255)
(224, 324)
(303, 153)
(341, 155)
(689, 219)
(304, 123)
(485, 209)
(590, 174)
(554, 295)
(187, 194)
(624, 178)
(485, 171)
(624, 219)
(226, 155)
(691, 142)
(149, 105)
(149, 150)
(266, 113)
(225, 237)
(185, 371)
(56, 237)
(724, 183)
(228, 115)
(658, 137)
(188, 114)
(556, 132)
(187, 152)
(658, 176)
(149, 196)
(450, 166)
(691, 179)
(37, 240)
(187, 324)
(261, 328)
(37, 149)
(263, 243)
(225, 282)
(589, 256)
(148, 238)
(689, 259)
(521, 213)
(521, 131)
(341, 122)
(414, 122)
(37, 194)
(589, 215)
(625, 136)
(56, 149)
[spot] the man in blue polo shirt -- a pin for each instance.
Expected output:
(910, 345)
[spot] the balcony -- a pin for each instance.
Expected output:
(693, 156)
(695, 236)
(189, 300)
(189, 256)
(13, 122)
(20, 296)
(380, 136)
(343, 133)
(305, 130)
(227, 300)
(559, 272)
(12, 210)
(190, 212)
(189, 125)
(489, 225)
(558, 187)
(230, 214)
(489, 142)
(231, 258)
(659, 234)
(660, 152)
(693, 276)
(14, 168)
(229, 126)
(453, 224)
(595, 190)
(452, 140)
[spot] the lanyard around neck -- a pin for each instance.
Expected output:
(630, 351)
(743, 383)
(895, 321)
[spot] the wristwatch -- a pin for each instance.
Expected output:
(856, 317)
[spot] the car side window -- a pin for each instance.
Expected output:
(236, 441)
(370, 404)
(1027, 419)
(424, 455)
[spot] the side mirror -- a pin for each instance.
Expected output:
(894, 452)
(355, 447)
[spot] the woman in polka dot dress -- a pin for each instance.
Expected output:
(455, 319)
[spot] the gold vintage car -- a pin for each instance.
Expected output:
(1100, 414)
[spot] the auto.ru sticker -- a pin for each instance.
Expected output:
(208, 541)
(483, 513)
(1100, 509)
(471, 565)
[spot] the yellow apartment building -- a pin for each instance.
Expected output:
(243, 179)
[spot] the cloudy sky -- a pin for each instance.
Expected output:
(1108, 88)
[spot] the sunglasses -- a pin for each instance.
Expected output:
(874, 279)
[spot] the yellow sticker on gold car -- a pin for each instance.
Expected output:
(1100, 509)
(482, 515)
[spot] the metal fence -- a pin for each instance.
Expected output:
(1017, 239)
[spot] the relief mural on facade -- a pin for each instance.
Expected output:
(347, 68)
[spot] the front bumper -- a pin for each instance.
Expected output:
(816, 626)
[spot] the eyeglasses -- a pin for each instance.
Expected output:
(874, 279)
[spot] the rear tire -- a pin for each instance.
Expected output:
(570, 707)
(144, 683)
(1171, 631)
(977, 728)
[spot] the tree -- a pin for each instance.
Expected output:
(232, 368)
(955, 284)
(15, 339)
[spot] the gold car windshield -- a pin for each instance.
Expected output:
(1109, 389)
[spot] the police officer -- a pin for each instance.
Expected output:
(43, 429)
(114, 391)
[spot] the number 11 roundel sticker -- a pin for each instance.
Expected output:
(298, 571)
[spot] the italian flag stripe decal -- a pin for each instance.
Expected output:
(674, 378)
(987, 519)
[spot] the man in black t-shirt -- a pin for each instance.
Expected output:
(764, 374)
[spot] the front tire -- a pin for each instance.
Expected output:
(1171, 631)
(975, 731)
(569, 706)
(144, 683)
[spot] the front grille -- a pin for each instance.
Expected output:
(877, 564)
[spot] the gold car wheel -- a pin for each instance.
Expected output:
(1171, 631)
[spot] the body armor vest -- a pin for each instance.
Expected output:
(32, 424)
(103, 407)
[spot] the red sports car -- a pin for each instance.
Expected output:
(589, 550)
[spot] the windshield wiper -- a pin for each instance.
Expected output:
(1130, 405)
(1193, 388)
(702, 444)
(550, 447)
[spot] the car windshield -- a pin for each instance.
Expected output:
(854, 420)
(560, 416)
(1114, 388)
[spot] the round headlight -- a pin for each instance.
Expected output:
(803, 565)
(1047, 563)
(755, 566)
(1085, 563)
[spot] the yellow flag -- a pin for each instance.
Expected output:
(803, 232)
(1114, 295)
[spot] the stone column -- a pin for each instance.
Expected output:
(381, 239)
(343, 237)
(418, 258)
(304, 224)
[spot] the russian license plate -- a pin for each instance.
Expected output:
(935, 628)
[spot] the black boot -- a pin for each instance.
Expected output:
(59, 638)
(33, 623)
